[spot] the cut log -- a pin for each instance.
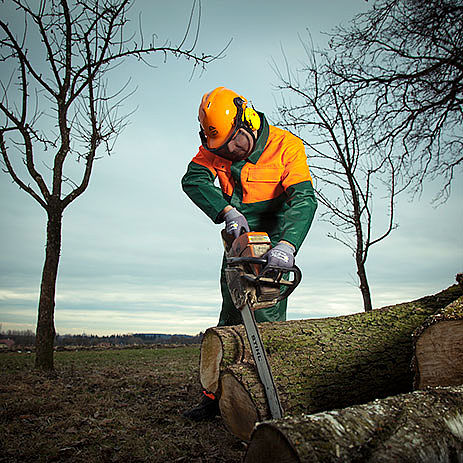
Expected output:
(438, 359)
(242, 401)
(318, 364)
(221, 347)
(419, 427)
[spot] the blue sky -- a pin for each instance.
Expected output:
(138, 256)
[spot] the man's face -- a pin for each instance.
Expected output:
(239, 147)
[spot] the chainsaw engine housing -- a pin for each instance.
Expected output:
(242, 277)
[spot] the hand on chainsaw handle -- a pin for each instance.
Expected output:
(235, 222)
(280, 256)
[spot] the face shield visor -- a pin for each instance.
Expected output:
(239, 125)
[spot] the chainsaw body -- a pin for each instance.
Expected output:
(248, 282)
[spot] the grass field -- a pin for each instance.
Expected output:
(108, 406)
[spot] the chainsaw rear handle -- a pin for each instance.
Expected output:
(266, 277)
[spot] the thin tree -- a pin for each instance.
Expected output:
(57, 107)
(406, 57)
(351, 176)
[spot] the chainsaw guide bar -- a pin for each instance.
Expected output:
(252, 287)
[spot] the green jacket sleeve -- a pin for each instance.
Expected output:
(299, 215)
(198, 184)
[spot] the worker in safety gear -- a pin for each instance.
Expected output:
(265, 185)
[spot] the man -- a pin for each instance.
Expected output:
(265, 185)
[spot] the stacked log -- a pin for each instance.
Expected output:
(318, 364)
(419, 427)
(438, 353)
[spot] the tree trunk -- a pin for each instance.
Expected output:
(318, 364)
(420, 427)
(45, 334)
(438, 359)
(364, 286)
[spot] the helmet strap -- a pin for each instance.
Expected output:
(202, 136)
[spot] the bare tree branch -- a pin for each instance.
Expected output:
(406, 58)
(15, 177)
(346, 162)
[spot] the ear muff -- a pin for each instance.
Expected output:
(251, 118)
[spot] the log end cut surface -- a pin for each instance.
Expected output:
(270, 444)
(209, 364)
(237, 408)
(439, 355)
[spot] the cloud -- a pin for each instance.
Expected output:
(99, 307)
(18, 294)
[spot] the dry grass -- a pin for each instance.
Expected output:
(108, 406)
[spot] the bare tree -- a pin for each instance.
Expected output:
(57, 106)
(351, 175)
(406, 57)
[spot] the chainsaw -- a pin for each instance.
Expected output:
(253, 287)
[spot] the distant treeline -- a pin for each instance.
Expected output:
(27, 338)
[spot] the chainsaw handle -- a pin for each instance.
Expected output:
(246, 260)
(290, 286)
(296, 271)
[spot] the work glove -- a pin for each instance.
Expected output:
(235, 223)
(280, 256)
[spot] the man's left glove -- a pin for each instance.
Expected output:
(280, 256)
(235, 223)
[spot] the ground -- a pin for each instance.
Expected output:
(115, 405)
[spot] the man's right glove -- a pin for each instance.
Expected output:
(280, 256)
(235, 223)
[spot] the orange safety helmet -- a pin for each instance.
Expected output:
(217, 114)
(222, 113)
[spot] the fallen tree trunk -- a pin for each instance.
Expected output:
(438, 359)
(419, 427)
(318, 364)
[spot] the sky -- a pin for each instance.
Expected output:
(138, 256)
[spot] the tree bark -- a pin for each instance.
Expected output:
(318, 364)
(420, 427)
(364, 286)
(438, 359)
(45, 334)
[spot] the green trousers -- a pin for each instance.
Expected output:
(230, 315)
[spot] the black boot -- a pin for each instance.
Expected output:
(207, 408)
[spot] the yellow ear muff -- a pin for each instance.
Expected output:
(251, 117)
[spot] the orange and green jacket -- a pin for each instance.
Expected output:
(272, 187)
